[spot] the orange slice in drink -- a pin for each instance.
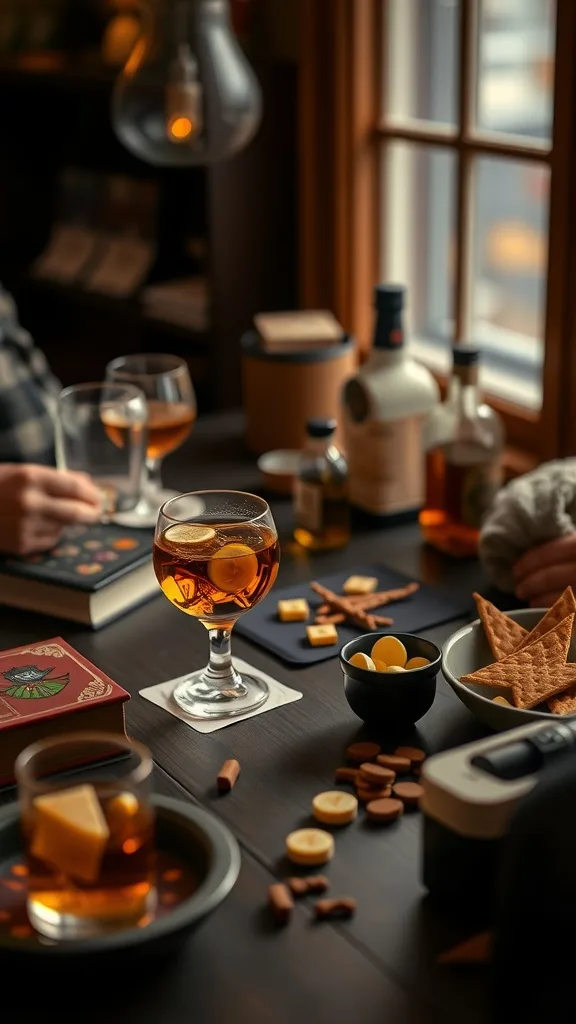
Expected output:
(233, 568)
(179, 591)
(184, 534)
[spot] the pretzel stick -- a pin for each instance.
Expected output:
(366, 602)
(338, 617)
(341, 604)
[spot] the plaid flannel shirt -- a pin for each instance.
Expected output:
(28, 393)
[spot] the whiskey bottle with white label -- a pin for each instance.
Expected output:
(383, 409)
(463, 441)
(321, 510)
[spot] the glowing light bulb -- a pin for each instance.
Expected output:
(184, 99)
(180, 128)
(187, 94)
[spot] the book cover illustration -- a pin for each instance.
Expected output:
(50, 678)
(87, 557)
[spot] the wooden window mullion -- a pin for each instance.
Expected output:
(559, 372)
(344, 132)
(463, 228)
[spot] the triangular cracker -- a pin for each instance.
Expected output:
(565, 605)
(476, 950)
(533, 673)
(503, 634)
(564, 703)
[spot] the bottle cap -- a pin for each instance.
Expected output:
(465, 355)
(389, 298)
(319, 427)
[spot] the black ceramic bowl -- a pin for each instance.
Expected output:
(390, 699)
(197, 837)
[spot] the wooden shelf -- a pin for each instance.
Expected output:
(122, 310)
(66, 78)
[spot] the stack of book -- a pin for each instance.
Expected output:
(94, 575)
(48, 689)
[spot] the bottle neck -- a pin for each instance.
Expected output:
(389, 331)
(463, 390)
(317, 446)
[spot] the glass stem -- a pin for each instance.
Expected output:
(220, 670)
(154, 482)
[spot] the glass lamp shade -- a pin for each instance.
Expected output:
(187, 94)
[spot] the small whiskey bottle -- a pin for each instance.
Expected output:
(321, 512)
(463, 441)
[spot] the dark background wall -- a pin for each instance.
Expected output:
(240, 216)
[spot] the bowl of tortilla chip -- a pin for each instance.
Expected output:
(512, 668)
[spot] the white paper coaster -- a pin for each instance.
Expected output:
(161, 694)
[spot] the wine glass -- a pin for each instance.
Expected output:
(216, 555)
(100, 429)
(165, 380)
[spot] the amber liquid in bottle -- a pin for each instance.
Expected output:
(463, 469)
(335, 532)
(321, 508)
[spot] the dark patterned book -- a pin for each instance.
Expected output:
(49, 689)
(94, 575)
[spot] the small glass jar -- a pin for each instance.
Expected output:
(89, 835)
(321, 509)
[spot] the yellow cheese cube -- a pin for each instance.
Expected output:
(293, 611)
(360, 585)
(322, 636)
(70, 831)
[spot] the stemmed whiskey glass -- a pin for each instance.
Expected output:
(216, 555)
(165, 381)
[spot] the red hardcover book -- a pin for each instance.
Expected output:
(48, 689)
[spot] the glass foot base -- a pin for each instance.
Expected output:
(65, 927)
(145, 514)
(200, 698)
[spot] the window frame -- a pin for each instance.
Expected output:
(342, 132)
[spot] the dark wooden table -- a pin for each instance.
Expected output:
(378, 967)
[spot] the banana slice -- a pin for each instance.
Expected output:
(391, 650)
(335, 807)
(417, 663)
(360, 660)
(310, 846)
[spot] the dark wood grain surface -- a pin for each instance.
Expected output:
(382, 964)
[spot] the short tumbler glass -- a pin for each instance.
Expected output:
(101, 430)
(88, 833)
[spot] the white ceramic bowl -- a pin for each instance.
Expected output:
(468, 650)
(279, 469)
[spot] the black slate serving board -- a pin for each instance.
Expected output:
(424, 609)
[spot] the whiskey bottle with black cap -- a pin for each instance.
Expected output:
(383, 409)
(463, 441)
(321, 510)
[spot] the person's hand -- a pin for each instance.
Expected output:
(545, 571)
(36, 502)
